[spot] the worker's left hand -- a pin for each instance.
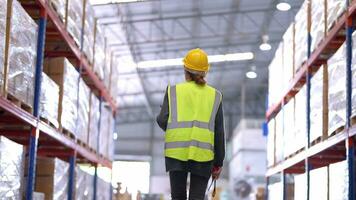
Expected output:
(216, 172)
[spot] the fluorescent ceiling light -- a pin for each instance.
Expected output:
(265, 47)
(251, 74)
(102, 2)
(212, 59)
(283, 6)
(116, 136)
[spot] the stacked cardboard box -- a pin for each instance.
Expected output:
(83, 185)
(271, 139)
(83, 111)
(66, 76)
(289, 129)
(52, 178)
(300, 187)
(354, 75)
(105, 131)
(94, 117)
(318, 24)
(334, 10)
(99, 51)
(275, 91)
(337, 90)
(104, 188)
(22, 55)
(279, 146)
(49, 100)
(113, 86)
(338, 181)
(11, 169)
(288, 56)
(74, 20)
(301, 36)
(300, 119)
(319, 184)
(89, 29)
(108, 64)
(60, 6)
(3, 11)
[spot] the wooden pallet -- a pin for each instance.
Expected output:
(353, 120)
(19, 103)
(295, 153)
(67, 133)
(54, 7)
(49, 122)
(317, 140)
(337, 131)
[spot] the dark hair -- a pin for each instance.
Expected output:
(197, 78)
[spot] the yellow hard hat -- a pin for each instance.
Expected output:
(197, 60)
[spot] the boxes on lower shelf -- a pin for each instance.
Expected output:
(94, 117)
(319, 184)
(104, 188)
(300, 119)
(319, 104)
(279, 137)
(83, 111)
(338, 181)
(271, 139)
(52, 178)
(337, 90)
(49, 100)
(106, 132)
(89, 29)
(66, 76)
(22, 55)
(289, 129)
(38, 196)
(11, 169)
(74, 19)
(275, 191)
(83, 185)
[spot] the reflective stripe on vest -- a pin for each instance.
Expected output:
(198, 147)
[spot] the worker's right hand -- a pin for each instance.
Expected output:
(216, 172)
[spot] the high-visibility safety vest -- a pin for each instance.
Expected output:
(191, 122)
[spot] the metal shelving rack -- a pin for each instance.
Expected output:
(39, 137)
(342, 145)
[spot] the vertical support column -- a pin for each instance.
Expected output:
(350, 144)
(95, 182)
(266, 190)
(31, 171)
(71, 179)
(283, 180)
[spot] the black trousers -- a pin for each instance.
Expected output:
(197, 188)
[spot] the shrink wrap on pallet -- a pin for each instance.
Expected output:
(318, 26)
(279, 136)
(111, 136)
(105, 134)
(74, 20)
(338, 181)
(83, 185)
(52, 178)
(104, 188)
(108, 64)
(318, 104)
(300, 119)
(334, 10)
(94, 117)
(99, 51)
(67, 77)
(301, 36)
(22, 55)
(300, 187)
(319, 184)
(3, 12)
(288, 56)
(83, 111)
(353, 68)
(337, 90)
(89, 29)
(11, 169)
(49, 100)
(289, 129)
(275, 90)
(271, 137)
(60, 6)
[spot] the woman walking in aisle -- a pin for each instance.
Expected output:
(192, 117)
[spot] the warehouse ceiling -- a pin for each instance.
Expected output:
(167, 29)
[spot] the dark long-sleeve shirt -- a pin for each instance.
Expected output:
(200, 168)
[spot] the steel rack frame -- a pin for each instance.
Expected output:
(340, 146)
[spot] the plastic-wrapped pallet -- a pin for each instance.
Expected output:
(108, 64)
(99, 51)
(337, 90)
(105, 129)
(301, 36)
(275, 90)
(300, 187)
(22, 55)
(288, 56)
(289, 129)
(111, 136)
(300, 119)
(113, 80)
(104, 188)
(279, 137)
(354, 75)
(83, 185)
(60, 6)
(3, 10)
(11, 169)
(52, 178)
(83, 111)
(317, 29)
(49, 100)
(74, 19)
(275, 191)
(94, 116)
(334, 10)
(318, 104)
(338, 181)
(89, 29)
(319, 184)
(66, 76)
(271, 143)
